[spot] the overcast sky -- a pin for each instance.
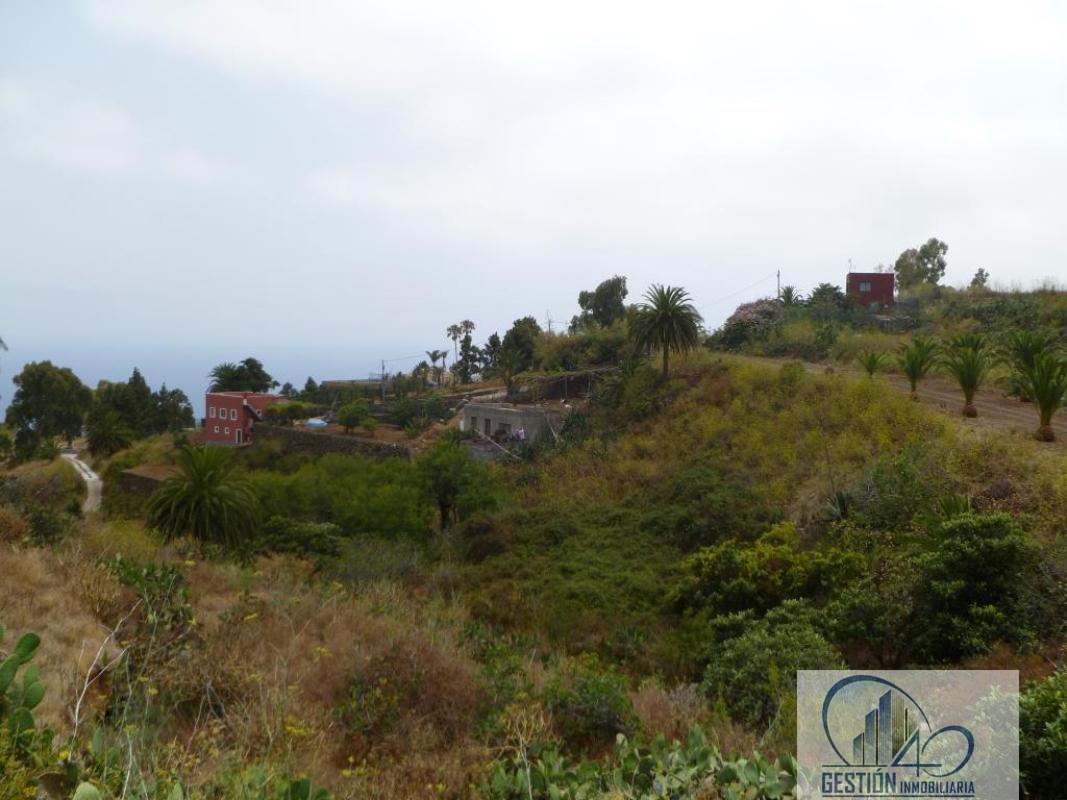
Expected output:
(240, 176)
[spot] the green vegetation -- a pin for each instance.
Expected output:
(206, 500)
(49, 402)
(246, 376)
(617, 613)
(966, 360)
(917, 358)
(666, 322)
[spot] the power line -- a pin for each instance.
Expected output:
(724, 298)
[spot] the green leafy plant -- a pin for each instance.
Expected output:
(589, 702)
(1045, 381)
(966, 361)
(18, 698)
(916, 359)
(661, 770)
(352, 414)
(666, 321)
(206, 499)
(1043, 736)
(873, 362)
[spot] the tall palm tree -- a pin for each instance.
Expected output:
(206, 499)
(666, 321)
(435, 356)
(1046, 383)
(967, 362)
(917, 358)
(454, 332)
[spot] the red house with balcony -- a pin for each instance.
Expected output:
(231, 415)
(868, 288)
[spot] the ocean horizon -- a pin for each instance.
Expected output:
(186, 368)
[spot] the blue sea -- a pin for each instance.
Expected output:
(187, 368)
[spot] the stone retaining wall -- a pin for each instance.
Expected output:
(314, 443)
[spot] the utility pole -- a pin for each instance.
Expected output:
(779, 284)
(382, 379)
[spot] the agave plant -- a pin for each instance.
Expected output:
(917, 358)
(967, 362)
(1045, 380)
(872, 362)
(206, 499)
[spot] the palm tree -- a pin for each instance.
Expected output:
(435, 356)
(1046, 382)
(872, 361)
(967, 362)
(205, 499)
(1020, 351)
(916, 358)
(106, 432)
(454, 332)
(226, 377)
(666, 321)
(789, 297)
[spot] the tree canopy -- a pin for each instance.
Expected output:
(49, 401)
(925, 264)
(667, 321)
(603, 306)
(247, 376)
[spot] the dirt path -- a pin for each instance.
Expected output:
(93, 484)
(994, 408)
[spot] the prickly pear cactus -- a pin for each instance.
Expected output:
(20, 694)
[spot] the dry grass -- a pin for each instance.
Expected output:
(369, 691)
(13, 528)
(44, 594)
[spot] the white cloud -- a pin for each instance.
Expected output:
(89, 135)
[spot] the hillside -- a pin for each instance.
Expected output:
(668, 565)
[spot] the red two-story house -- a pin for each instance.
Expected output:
(868, 288)
(230, 415)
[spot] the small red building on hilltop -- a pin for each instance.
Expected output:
(867, 288)
(230, 415)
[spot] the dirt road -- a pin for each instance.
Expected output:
(994, 408)
(93, 484)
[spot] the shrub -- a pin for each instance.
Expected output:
(13, 527)
(733, 576)
(753, 662)
(289, 412)
(968, 587)
(589, 703)
(660, 771)
(285, 535)
(352, 414)
(1043, 736)
(751, 322)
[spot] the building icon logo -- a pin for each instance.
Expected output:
(898, 733)
(916, 734)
